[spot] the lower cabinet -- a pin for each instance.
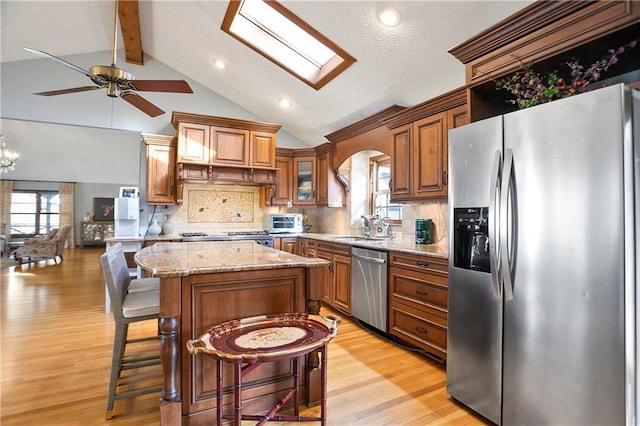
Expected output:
(337, 285)
(418, 300)
(307, 247)
(288, 244)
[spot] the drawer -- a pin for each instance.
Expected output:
(419, 328)
(231, 174)
(193, 171)
(430, 264)
(407, 285)
(334, 248)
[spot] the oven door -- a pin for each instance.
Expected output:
(282, 224)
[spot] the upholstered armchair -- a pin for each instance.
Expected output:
(43, 247)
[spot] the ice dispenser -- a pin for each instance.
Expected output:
(471, 244)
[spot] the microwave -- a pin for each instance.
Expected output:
(285, 222)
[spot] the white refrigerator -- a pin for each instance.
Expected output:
(543, 212)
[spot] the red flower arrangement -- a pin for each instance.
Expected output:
(530, 88)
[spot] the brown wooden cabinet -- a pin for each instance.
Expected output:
(337, 285)
(221, 146)
(281, 194)
(419, 158)
(307, 247)
(418, 301)
(224, 149)
(193, 143)
(235, 295)
(161, 160)
(330, 192)
(288, 244)
(546, 34)
(304, 181)
(229, 147)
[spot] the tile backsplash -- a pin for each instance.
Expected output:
(217, 209)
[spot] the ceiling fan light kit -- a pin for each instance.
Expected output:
(118, 82)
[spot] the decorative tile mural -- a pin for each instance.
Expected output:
(220, 206)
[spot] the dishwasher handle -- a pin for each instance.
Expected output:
(369, 259)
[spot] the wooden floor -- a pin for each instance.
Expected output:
(56, 353)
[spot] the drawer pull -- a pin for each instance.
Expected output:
(421, 330)
(423, 264)
(422, 293)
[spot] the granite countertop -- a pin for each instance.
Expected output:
(385, 244)
(147, 238)
(171, 259)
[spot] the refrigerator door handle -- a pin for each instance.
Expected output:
(494, 258)
(504, 224)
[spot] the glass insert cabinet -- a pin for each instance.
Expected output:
(305, 180)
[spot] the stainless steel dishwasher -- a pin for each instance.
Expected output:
(369, 287)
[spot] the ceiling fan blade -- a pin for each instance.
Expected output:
(129, 17)
(175, 86)
(62, 62)
(142, 104)
(65, 91)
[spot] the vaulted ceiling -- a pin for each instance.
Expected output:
(403, 65)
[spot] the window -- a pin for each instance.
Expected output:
(380, 175)
(282, 37)
(34, 212)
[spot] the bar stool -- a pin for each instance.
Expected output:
(128, 308)
(248, 342)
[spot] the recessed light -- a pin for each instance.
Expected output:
(389, 16)
(285, 103)
(219, 63)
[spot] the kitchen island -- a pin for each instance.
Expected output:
(205, 283)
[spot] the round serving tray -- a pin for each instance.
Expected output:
(266, 336)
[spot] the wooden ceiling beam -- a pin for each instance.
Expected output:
(129, 17)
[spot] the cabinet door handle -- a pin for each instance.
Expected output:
(423, 264)
(444, 177)
(421, 330)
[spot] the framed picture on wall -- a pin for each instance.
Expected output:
(103, 209)
(128, 192)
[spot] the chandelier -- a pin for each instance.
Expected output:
(7, 158)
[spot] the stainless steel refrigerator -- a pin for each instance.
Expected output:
(543, 211)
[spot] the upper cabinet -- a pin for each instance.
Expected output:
(224, 149)
(419, 157)
(547, 34)
(161, 160)
(329, 191)
(223, 141)
(281, 194)
(263, 149)
(194, 143)
(304, 179)
(229, 147)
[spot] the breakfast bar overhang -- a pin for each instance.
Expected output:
(205, 283)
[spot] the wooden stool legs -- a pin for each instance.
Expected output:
(239, 372)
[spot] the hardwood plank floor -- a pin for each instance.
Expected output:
(56, 353)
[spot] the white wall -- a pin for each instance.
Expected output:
(20, 79)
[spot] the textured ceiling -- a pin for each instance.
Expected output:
(404, 65)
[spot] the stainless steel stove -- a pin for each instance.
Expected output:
(260, 237)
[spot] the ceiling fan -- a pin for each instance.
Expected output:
(117, 81)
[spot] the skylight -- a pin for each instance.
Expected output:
(282, 37)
